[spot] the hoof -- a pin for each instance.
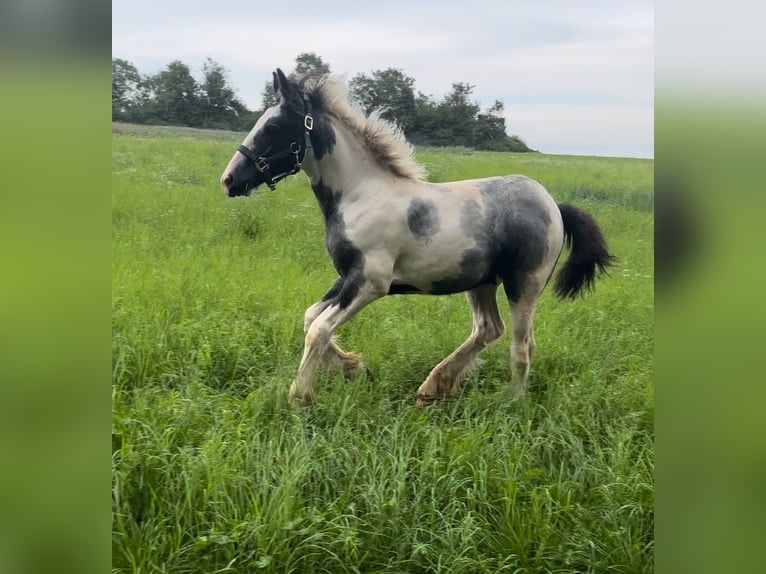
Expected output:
(356, 370)
(516, 392)
(425, 401)
(302, 403)
(433, 390)
(300, 399)
(349, 364)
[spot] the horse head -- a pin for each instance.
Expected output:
(276, 145)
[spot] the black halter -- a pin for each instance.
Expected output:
(263, 164)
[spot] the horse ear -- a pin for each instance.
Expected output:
(276, 83)
(285, 91)
(281, 83)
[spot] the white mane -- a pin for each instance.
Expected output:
(384, 140)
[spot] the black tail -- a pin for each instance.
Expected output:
(588, 252)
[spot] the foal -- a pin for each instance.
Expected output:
(389, 232)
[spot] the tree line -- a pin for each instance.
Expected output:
(174, 96)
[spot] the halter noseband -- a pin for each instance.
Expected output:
(263, 164)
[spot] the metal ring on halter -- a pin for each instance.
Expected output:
(295, 147)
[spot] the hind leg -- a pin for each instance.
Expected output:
(444, 380)
(523, 339)
(522, 346)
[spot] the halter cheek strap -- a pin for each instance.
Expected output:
(263, 164)
(308, 121)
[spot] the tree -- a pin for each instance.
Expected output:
(219, 105)
(489, 132)
(425, 121)
(458, 115)
(143, 111)
(176, 95)
(125, 85)
(308, 64)
(390, 91)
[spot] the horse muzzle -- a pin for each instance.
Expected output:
(232, 188)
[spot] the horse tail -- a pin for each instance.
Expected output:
(588, 252)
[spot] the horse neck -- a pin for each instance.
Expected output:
(347, 167)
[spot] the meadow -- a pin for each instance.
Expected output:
(213, 470)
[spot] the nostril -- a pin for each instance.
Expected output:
(227, 180)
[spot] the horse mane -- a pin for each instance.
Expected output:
(384, 140)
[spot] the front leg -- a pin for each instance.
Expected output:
(335, 359)
(354, 294)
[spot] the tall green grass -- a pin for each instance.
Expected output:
(213, 470)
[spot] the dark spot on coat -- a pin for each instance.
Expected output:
(510, 227)
(323, 134)
(351, 285)
(515, 230)
(347, 258)
(474, 271)
(334, 291)
(472, 219)
(328, 200)
(423, 218)
(402, 289)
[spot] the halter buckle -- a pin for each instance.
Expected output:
(262, 164)
(308, 122)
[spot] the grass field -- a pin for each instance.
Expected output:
(213, 470)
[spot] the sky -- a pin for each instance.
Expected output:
(575, 77)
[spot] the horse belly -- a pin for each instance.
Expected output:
(450, 267)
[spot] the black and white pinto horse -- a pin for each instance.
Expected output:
(389, 232)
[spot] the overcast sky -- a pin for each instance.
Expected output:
(575, 77)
